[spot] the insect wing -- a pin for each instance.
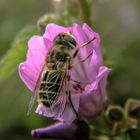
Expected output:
(57, 108)
(60, 103)
(33, 97)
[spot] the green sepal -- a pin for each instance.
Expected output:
(134, 134)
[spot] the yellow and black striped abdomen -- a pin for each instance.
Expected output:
(50, 87)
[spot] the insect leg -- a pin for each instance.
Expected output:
(69, 97)
(80, 61)
(78, 82)
(68, 91)
(82, 46)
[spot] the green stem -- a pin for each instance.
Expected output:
(85, 11)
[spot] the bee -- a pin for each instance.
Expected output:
(53, 86)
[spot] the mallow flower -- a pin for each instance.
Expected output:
(89, 96)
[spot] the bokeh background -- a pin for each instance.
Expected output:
(117, 22)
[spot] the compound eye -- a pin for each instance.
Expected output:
(57, 39)
(70, 39)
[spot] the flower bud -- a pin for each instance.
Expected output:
(134, 109)
(44, 20)
(115, 113)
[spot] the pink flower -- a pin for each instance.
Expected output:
(90, 98)
(78, 130)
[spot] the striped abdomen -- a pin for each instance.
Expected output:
(50, 87)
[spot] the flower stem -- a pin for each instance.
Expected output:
(114, 128)
(85, 11)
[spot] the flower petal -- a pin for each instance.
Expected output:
(30, 69)
(87, 70)
(93, 66)
(37, 42)
(60, 131)
(68, 115)
(95, 43)
(56, 131)
(79, 71)
(53, 29)
(91, 34)
(28, 75)
(81, 38)
(92, 101)
(96, 58)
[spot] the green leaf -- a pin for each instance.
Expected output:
(122, 136)
(134, 134)
(16, 53)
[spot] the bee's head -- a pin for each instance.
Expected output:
(66, 39)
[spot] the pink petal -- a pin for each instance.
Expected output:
(96, 42)
(68, 115)
(79, 71)
(36, 43)
(56, 110)
(93, 66)
(93, 99)
(53, 29)
(91, 34)
(96, 59)
(28, 75)
(30, 69)
(81, 37)
(87, 70)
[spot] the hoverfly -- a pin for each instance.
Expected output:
(53, 86)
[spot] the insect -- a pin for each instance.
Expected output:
(53, 86)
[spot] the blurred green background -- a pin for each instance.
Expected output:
(118, 23)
